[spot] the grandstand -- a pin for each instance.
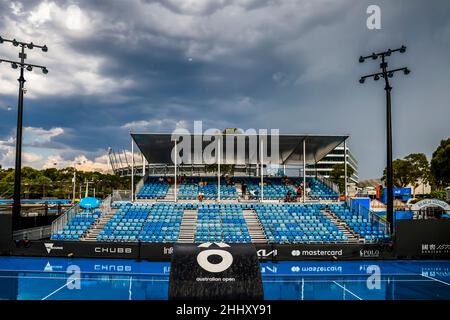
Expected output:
(265, 210)
(195, 204)
(281, 223)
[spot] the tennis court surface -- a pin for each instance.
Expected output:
(113, 279)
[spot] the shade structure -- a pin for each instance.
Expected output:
(284, 149)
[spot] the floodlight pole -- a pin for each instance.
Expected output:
(175, 172)
(304, 170)
(261, 162)
(132, 169)
(386, 74)
(218, 168)
(345, 170)
(16, 209)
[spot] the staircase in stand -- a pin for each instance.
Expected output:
(170, 195)
(98, 226)
(254, 227)
(188, 227)
(342, 226)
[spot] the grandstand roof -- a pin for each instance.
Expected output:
(157, 147)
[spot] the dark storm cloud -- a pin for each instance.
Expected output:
(241, 63)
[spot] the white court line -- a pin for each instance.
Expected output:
(434, 279)
(85, 279)
(60, 288)
(348, 290)
(88, 272)
(129, 288)
(349, 280)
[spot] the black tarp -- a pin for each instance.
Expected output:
(215, 271)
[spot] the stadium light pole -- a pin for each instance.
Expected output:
(18, 163)
(386, 74)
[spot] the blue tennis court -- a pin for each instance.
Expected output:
(112, 279)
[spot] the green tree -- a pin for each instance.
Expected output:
(58, 183)
(338, 173)
(440, 165)
(402, 173)
(420, 169)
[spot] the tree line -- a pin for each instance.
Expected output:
(58, 183)
(413, 170)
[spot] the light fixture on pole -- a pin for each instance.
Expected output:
(18, 162)
(386, 74)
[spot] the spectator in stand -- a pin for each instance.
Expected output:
(244, 190)
(288, 196)
(299, 193)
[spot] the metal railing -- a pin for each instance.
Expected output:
(121, 195)
(62, 220)
(140, 184)
(371, 216)
(333, 186)
(37, 233)
(105, 206)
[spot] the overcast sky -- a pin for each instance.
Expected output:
(150, 66)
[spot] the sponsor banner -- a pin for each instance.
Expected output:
(266, 252)
(81, 249)
(331, 252)
(164, 251)
(157, 251)
(219, 270)
(423, 239)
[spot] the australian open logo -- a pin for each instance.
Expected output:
(203, 257)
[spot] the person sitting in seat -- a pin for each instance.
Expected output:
(299, 193)
(288, 196)
(200, 196)
(244, 190)
(253, 194)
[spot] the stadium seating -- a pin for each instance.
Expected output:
(153, 189)
(281, 222)
(319, 190)
(163, 223)
(77, 227)
(293, 223)
(274, 188)
(126, 224)
(365, 227)
(190, 188)
(221, 222)
(159, 222)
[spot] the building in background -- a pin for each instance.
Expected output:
(325, 166)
